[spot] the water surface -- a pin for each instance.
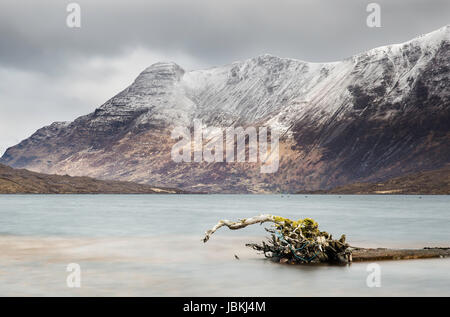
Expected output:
(150, 245)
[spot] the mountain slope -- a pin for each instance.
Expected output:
(375, 115)
(423, 183)
(14, 181)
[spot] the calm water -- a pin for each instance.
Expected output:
(150, 245)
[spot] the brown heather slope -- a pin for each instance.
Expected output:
(435, 182)
(21, 181)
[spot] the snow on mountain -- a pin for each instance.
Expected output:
(267, 86)
(347, 120)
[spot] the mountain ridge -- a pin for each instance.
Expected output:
(381, 113)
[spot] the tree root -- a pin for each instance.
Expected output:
(301, 242)
(295, 241)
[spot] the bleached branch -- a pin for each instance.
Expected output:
(239, 224)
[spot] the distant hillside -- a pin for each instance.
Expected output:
(435, 182)
(20, 181)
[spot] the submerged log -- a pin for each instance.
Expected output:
(380, 254)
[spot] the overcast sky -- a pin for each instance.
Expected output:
(49, 72)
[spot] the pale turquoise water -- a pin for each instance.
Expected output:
(150, 244)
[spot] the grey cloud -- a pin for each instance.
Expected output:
(214, 32)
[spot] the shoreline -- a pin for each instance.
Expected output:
(206, 193)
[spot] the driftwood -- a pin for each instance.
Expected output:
(239, 224)
(293, 241)
(301, 241)
(380, 254)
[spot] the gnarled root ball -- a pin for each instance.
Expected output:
(291, 241)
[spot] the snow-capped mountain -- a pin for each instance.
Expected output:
(378, 114)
